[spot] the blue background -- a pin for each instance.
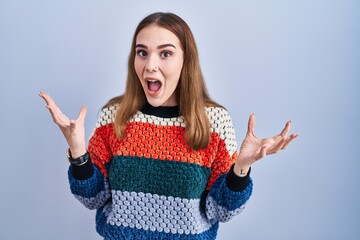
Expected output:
(283, 60)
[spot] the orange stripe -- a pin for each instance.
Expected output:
(100, 146)
(163, 143)
(158, 142)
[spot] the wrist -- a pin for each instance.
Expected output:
(77, 152)
(241, 170)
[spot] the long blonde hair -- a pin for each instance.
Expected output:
(192, 94)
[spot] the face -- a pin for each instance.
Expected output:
(158, 63)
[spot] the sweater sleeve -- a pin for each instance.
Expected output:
(227, 193)
(89, 182)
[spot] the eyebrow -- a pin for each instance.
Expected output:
(159, 47)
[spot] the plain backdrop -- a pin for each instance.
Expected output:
(282, 60)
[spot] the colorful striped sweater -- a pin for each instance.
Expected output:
(151, 185)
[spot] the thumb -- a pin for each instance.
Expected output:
(82, 114)
(251, 125)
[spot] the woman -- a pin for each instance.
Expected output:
(162, 162)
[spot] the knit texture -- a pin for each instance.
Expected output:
(151, 185)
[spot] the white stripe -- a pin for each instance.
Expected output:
(222, 124)
(107, 115)
(145, 118)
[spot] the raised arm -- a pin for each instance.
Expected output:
(87, 183)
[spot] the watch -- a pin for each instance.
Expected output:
(80, 160)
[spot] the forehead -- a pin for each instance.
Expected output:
(156, 35)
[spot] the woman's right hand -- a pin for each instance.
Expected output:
(73, 130)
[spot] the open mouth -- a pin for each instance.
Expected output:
(154, 85)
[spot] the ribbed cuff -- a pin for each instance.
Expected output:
(236, 183)
(83, 172)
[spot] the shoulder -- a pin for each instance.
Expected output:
(216, 113)
(218, 116)
(108, 111)
(221, 123)
(107, 115)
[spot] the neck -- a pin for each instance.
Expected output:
(161, 111)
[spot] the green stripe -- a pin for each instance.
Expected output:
(169, 178)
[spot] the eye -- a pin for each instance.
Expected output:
(141, 53)
(165, 54)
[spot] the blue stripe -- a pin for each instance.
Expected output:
(227, 198)
(87, 188)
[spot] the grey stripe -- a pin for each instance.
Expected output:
(97, 201)
(220, 213)
(157, 213)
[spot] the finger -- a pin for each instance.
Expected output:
(48, 100)
(251, 125)
(277, 147)
(61, 120)
(289, 140)
(286, 129)
(82, 114)
(50, 104)
(58, 117)
(41, 94)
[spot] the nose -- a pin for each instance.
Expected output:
(152, 64)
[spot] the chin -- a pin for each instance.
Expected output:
(155, 102)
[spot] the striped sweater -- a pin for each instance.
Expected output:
(151, 185)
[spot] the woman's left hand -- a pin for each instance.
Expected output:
(253, 148)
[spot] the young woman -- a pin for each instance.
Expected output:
(162, 162)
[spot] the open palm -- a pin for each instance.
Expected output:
(253, 148)
(73, 130)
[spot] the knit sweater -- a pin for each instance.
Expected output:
(151, 185)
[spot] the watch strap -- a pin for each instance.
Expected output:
(79, 160)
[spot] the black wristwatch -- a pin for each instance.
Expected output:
(80, 160)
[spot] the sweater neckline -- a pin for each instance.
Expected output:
(161, 111)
